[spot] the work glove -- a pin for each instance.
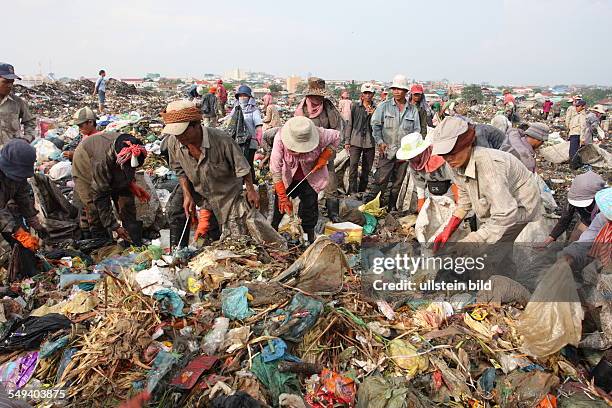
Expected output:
(323, 158)
(26, 239)
(203, 224)
(139, 192)
(455, 191)
(420, 202)
(284, 203)
(443, 237)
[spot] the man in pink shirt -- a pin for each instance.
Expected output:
(267, 100)
(301, 151)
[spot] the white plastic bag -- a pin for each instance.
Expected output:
(553, 316)
(433, 217)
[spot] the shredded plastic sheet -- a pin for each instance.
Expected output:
(276, 382)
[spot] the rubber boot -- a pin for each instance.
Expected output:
(392, 203)
(135, 231)
(333, 209)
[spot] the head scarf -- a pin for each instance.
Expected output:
(602, 245)
(426, 161)
(314, 108)
(128, 148)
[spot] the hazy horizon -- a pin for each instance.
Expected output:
(510, 42)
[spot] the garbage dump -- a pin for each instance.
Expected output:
(252, 322)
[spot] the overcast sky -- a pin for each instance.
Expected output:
(498, 41)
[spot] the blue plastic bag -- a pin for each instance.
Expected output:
(171, 302)
(234, 303)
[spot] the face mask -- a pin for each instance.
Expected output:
(243, 100)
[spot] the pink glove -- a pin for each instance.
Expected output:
(259, 135)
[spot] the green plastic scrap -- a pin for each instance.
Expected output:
(370, 225)
(275, 381)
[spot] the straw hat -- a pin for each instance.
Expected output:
(179, 127)
(316, 87)
(300, 134)
(599, 109)
(412, 145)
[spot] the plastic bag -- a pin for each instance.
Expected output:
(260, 229)
(434, 216)
(389, 392)
(319, 270)
(303, 309)
(373, 207)
(405, 356)
(215, 337)
(28, 333)
(370, 224)
(553, 317)
(334, 390)
(46, 150)
(276, 382)
(235, 305)
(15, 374)
(171, 302)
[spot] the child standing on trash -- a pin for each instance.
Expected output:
(100, 90)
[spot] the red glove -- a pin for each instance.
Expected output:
(455, 191)
(139, 192)
(203, 224)
(420, 202)
(443, 237)
(26, 239)
(323, 158)
(137, 401)
(284, 204)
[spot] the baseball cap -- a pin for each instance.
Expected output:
(367, 87)
(177, 128)
(83, 115)
(7, 71)
(446, 133)
(416, 88)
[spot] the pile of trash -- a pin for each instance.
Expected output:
(241, 324)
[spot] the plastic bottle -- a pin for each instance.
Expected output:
(215, 337)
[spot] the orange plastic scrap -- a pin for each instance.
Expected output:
(549, 401)
(334, 389)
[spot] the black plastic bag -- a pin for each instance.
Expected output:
(29, 333)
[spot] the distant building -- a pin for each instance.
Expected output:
(235, 75)
(292, 83)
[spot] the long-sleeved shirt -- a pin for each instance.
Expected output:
(267, 99)
(546, 106)
(284, 165)
(217, 175)
(358, 129)
(14, 113)
(579, 250)
(421, 178)
(586, 215)
(591, 123)
(19, 193)
(518, 146)
(252, 119)
(489, 136)
(577, 123)
(344, 106)
(500, 190)
(569, 114)
(272, 117)
(389, 125)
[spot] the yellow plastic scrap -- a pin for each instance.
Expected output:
(405, 355)
(373, 207)
(479, 327)
(479, 314)
(194, 285)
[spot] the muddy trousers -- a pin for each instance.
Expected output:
(177, 220)
(126, 208)
(388, 170)
(308, 210)
(366, 156)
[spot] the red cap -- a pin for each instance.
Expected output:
(416, 88)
